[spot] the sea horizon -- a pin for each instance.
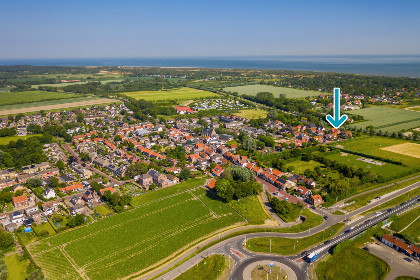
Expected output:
(379, 65)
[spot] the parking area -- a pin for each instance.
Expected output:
(399, 266)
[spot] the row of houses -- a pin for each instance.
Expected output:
(22, 178)
(401, 246)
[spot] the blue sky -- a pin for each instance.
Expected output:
(64, 29)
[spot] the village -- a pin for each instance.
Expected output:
(106, 146)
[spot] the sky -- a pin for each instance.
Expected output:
(176, 28)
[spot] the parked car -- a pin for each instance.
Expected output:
(366, 248)
(325, 217)
(408, 259)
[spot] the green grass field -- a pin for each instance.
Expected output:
(182, 93)
(395, 201)
(352, 263)
(252, 114)
(103, 210)
(388, 170)
(276, 91)
(388, 119)
(250, 208)
(372, 146)
(16, 268)
(41, 227)
(8, 139)
(9, 98)
(363, 199)
(130, 243)
(300, 166)
(407, 225)
(287, 246)
(207, 269)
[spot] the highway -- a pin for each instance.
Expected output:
(241, 257)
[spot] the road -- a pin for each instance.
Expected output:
(399, 266)
(76, 156)
(236, 242)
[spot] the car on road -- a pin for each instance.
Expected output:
(367, 221)
(377, 197)
(327, 241)
(325, 217)
(369, 201)
(304, 253)
(348, 230)
(408, 259)
(377, 243)
(366, 249)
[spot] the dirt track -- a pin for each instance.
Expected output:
(57, 106)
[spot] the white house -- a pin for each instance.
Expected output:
(48, 193)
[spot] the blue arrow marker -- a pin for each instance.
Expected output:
(336, 121)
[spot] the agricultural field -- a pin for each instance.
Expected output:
(130, 243)
(375, 145)
(250, 208)
(183, 93)
(408, 149)
(9, 98)
(388, 119)
(387, 170)
(276, 91)
(77, 83)
(54, 105)
(252, 114)
(408, 225)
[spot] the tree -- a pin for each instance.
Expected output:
(60, 165)
(6, 239)
(184, 174)
(249, 144)
(224, 190)
(34, 182)
(272, 114)
(84, 156)
(117, 138)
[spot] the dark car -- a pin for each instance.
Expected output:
(367, 221)
(328, 241)
(304, 253)
(377, 197)
(408, 259)
(325, 217)
(366, 248)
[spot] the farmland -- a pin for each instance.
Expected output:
(182, 93)
(276, 91)
(207, 269)
(388, 119)
(163, 223)
(53, 104)
(9, 98)
(408, 149)
(373, 146)
(77, 83)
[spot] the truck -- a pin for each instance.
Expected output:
(311, 257)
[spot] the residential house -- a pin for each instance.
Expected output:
(146, 180)
(72, 188)
(315, 200)
(217, 170)
(102, 191)
(48, 193)
(20, 201)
